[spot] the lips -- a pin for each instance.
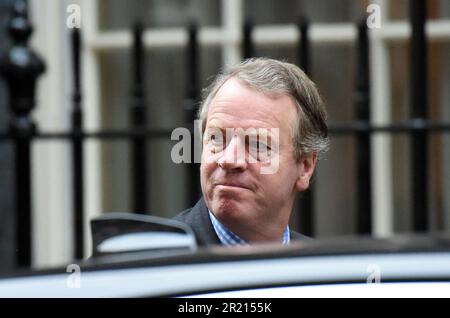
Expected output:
(233, 185)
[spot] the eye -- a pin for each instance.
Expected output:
(259, 149)
(260, 146)
(214, 140)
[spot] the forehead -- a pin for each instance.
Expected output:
(238, 106)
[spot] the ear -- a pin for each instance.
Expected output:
(306, 168)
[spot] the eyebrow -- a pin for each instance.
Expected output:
(268, 136)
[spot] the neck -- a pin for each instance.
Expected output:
(266, 234)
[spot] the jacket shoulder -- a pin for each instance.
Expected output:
(183, 215)
(198, 219)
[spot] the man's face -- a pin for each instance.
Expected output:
(254, 205)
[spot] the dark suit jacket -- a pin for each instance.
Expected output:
(198, 219)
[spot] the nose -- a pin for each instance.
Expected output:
(233, 156)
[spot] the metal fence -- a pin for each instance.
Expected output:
(20, 67)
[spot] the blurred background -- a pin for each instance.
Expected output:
(107, 95)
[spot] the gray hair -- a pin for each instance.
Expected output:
(274, 78)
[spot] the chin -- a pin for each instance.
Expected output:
(226, 208)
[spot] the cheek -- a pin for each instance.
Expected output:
(282, 181)
(208, 157)
(206, 170)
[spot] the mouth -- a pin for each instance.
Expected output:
(232, 185)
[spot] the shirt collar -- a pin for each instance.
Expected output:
(228, 238)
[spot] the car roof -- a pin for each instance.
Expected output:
(312, 262)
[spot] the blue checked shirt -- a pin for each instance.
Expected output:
(228, 238)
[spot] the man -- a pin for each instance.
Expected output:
(264, 126)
